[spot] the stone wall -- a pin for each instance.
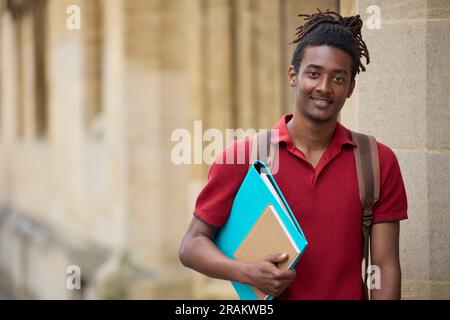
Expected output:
(403, 101)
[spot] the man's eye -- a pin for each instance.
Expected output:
(312, 74)
(339, 79)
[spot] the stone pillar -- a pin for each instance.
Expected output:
(211, 100)
(115, 276)
(113, 100)
(268, 63)
(8, 99)
(9, 95)
(245, 65)
(28, 76)
(403, 100)
(152, 104)
(218, 64)
(93, 42)
(66, 100)
(176, 115)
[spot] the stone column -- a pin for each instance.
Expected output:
(212, 99)
(9, 95)
(28, 76)
(112, 279)
(113, 101)
(267, 63)
(218, 64)
(403, 101)
(175, 115)
(8, 99)
(245, 65)
(152, 104)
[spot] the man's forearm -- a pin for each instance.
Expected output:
(201, 255)
(390, 284)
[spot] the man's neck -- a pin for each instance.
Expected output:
(309, 136)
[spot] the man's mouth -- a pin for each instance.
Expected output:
(321, 102)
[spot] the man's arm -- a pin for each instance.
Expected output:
(198, 252)
(385, 255)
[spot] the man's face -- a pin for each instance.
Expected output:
(323, 82)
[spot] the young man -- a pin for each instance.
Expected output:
(317, 176)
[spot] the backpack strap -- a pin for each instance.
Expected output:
(368, 173)
(262, 148)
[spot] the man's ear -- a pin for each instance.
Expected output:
(292, 76)
(352, 87)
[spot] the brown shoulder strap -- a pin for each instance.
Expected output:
(262, 148)
(367, 169)
(368, 173)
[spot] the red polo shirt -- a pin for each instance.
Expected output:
(325, 201)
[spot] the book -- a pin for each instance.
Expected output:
(259, 206)
(268, 235)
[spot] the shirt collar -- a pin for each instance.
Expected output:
(340, 137)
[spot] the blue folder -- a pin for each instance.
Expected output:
(251, 199)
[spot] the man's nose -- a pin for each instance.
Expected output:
(324, 85)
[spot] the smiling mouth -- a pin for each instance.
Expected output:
(321, 102)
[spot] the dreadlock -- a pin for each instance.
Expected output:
(330, 28)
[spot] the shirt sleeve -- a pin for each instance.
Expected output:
(392, 204)
(215, 200)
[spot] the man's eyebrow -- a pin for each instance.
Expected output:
(316, 66)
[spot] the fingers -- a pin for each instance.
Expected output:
(288, 275)
(280, 274)
(269, 278)
(278, 288)
(279, 281)
(276, 258)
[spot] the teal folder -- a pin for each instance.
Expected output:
(253, 196)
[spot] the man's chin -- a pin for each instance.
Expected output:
(320, 118)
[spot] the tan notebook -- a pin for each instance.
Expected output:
(267, 236)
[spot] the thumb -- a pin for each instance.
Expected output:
(278, 257)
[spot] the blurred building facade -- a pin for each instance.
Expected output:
(87, 114)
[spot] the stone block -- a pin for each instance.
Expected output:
(438, 9)
(438, 83)
(438, 180)
(425, 290)
(391, 100)
(404, 10)
(414, 232)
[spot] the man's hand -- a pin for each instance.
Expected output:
(267, 277)
(198, 252)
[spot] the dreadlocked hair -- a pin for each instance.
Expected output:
(332, 29)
